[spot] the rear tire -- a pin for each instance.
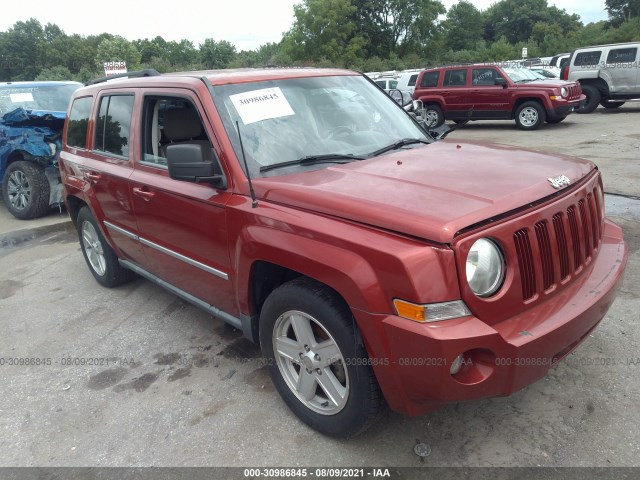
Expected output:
(593, 99)
(100, 257)
(530, 115)
(610, 104)
(25, 190)
(317, 364)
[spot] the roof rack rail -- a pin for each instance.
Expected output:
(149, 72)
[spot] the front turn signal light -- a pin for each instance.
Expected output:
(431, 312)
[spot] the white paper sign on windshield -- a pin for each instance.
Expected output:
(21, 97)
(261, 105)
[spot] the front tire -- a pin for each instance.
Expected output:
(432, 116)
(25, 190)
(100, 257)
(530, 115)
(321, 370)
(593, 99)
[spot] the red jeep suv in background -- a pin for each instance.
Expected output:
(489, 92)
(308, 209)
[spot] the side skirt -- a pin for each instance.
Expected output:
(216, 312)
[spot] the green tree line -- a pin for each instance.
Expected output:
(368, 35)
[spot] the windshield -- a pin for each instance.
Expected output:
(50, 98)
(522, 74)
(335, 117)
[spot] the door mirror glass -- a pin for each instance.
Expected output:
(500, 81)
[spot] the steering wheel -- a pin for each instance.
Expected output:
(339, 131)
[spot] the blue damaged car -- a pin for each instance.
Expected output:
(32, 116)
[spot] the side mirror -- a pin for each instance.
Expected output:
(187, 162)
(501, 81)
(401, 98)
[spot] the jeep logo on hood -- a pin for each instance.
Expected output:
(559, 182)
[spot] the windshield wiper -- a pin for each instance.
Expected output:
(397, 145)
(315, 159)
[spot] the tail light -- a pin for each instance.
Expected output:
(564, 74)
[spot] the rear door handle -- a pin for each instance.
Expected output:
(143, 193)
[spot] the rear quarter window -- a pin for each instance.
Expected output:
(622, 55)
(412, 80)
(79, 122)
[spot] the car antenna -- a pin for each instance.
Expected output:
(254, 202)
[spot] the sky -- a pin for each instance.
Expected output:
(245, 23)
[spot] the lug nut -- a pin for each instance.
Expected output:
(318, 371)
(317, 358)
(306, 348)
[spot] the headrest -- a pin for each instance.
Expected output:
(181, 124)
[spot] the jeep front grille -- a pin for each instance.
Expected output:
(561, 244)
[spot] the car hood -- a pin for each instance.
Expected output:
(549, 83)
(431, 192)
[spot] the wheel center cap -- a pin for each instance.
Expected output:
(310, 360)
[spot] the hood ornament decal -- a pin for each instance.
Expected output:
(559, 182)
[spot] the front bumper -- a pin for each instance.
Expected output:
(412, 361)
(567, 107)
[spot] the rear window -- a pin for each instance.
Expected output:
(412, 80)
(622, 55)
(588, 59)
(430, 79)
(455, 78)
(78, 122)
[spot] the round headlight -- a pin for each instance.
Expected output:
(485, 267)
(563, 92)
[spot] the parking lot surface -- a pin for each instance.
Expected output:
(133, 376)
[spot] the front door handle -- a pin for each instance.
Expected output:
(93, 176)
(143, 193)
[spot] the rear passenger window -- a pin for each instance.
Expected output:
(113, 127)
(430, 80)
(588, 59)
(455, 78)
(412, 80)
(622, 55)
(78, 122)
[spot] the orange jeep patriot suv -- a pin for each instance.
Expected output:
(372, 264)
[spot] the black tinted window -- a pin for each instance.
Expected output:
(78, 122)
(114, 124)
(622, 55)
(455, 78)
(412, 80)
(430, 79)
(484, 76)
(585, 59)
